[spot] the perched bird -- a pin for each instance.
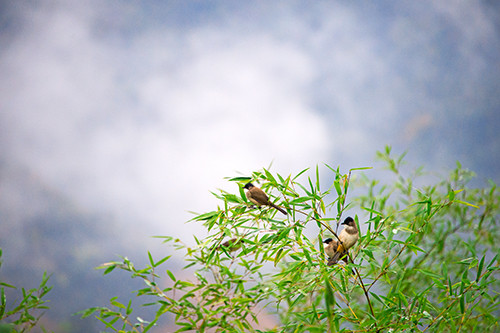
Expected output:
(231, 245)
(259, 197)
(336, 249)
(330, 247)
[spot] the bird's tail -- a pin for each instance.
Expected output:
(278, 208)
(339, 253)
(333, 260)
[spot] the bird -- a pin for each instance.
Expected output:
(231, 245)
(337, 249)
(259, 197)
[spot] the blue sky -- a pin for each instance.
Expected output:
(132, 111)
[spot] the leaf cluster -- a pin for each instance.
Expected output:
(22, 315)
(426, 259)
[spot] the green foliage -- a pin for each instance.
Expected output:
(22, 315)
(426, 259)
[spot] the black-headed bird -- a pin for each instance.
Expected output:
(336, 249)
(259, 197)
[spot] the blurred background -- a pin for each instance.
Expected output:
(117, 118)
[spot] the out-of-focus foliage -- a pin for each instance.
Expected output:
(23, 314)
(426, 260)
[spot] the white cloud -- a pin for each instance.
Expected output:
(146, 132)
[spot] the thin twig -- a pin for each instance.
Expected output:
(364, 290)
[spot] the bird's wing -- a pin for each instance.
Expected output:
(259, 196)
(251, 198)
(331, 248)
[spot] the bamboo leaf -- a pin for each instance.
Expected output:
(300, 173)
(240, 179)
(480, 269)
(466, 203)
(360, 168)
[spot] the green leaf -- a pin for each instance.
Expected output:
(300, 173)
(308, 257)
(451, 195)
(88, 312)
(329, 300)
(182, 284)
(317, 178)
(463, 282)
(430, 274)
(480, 269)
(162, 261)
(232, 198)
(311, 186)
(493, 260)
(151, 261)
(414, 248)
(109, 269)
(301, 200)
(114, 302)
(240, 179)
(3, 302)
(337, 187)
(466, 203)
(7, 285)
(278, 256)
(129, 308)
(369, 253)
(444, 270)
(360, 168)
(171, 275)
(466, 261)
(206, 216)
(270, 177)
(242, 194)
(7, 328)
(473, 263)
(373, 211)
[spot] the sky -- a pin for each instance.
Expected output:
(133, 111)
